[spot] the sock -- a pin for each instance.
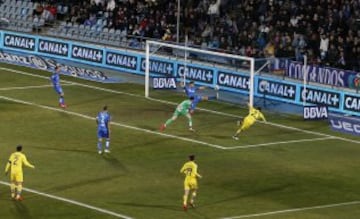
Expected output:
(99, 146)
(185, 197)
(12, 189)
(190, 123)
(61, 100)
(237, 132)
(193, 195)
(107, 144)
(168, 122)
(19, 189)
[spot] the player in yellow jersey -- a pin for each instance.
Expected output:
(249, 120)
(15, 164)
(190, 182)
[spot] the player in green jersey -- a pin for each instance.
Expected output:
(183, 109)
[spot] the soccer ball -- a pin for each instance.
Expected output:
(216, 87)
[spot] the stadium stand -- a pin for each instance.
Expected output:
(327, 30)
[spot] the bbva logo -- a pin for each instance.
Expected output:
(315, 112)
(164, 83)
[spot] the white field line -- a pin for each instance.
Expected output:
(29, 87)
(163, 134)
(294, 210)
(101, 210)
(159, 133)
(113, 123)
(277, 143)
(167, 102)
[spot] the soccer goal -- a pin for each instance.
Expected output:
(167, 64)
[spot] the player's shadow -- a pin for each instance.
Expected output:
(21, 210)
(114, 162)
(84, 182)
(148, 127)
(257, 192)
(63, 149)
(165, 207)
(147, 143)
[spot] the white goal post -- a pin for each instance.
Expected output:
(150, 43)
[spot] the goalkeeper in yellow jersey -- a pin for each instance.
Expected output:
(190, 182)
(249, 120)
(14, 165)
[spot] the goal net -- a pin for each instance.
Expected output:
(219, 76)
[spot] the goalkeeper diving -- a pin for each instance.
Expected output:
(249, 120)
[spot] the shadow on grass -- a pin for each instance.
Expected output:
(178, 208)
(114, 162)
(83, 182)
(258, 192)
(21, 210)
(159, 206)
(63, 149)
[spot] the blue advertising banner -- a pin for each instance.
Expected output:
(323, 75)
(344, 124)
(53, 47)
(33, 50)
(195, 73)
(19, 42)
(158, 67)
(121, 60)
(351, 103)
(233, 80)
(320, 97)
(48, 64)
(85, 53)
(276, 89)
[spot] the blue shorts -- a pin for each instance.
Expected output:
(58, 89)
(196, 100)
(103, 133)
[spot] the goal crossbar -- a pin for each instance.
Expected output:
(191, 49)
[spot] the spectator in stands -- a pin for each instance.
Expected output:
(110, 5)
(214, 10)
(324, 46)
(326, 29)
(38, 10)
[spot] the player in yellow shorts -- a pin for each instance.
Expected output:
(249, 120)
(15, 163)
(190, 182)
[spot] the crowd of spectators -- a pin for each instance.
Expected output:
(326, 30)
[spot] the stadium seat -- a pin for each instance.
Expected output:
(31, 5)
(42, 22)
(24, 12)
(24, 3)
(99, 22)
(105, 23)
(75, 26)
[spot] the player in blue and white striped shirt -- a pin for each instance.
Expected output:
(55, 80)
(103, 130)
(191, 91)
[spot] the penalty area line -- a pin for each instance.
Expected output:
(113, 123)
(31, 87)
(167, 102)
(101, 210)
(278, 142)
(294, 210)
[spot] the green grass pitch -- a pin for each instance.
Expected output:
(286, 169)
